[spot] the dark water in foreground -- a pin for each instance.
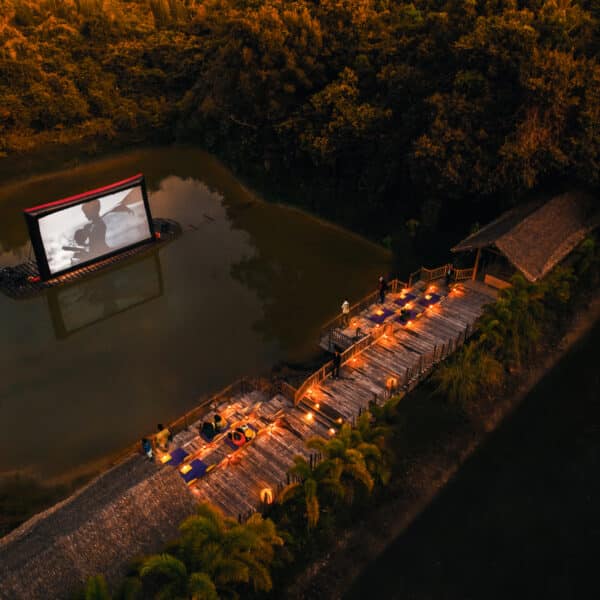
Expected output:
(87, 369)
(521, 518)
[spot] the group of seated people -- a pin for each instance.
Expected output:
(239, 436)
(161, 441)
(209, 429)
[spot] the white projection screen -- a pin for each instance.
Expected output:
(77, 231)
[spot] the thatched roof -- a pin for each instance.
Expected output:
(129, 511)
(536, 236)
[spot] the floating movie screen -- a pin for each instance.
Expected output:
(83, 229)
(104, 295)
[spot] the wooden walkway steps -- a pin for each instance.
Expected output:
(239, 479)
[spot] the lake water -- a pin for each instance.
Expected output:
(87, 369)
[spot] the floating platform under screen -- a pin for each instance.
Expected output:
(24, 280)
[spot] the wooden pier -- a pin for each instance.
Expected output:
(390, 357)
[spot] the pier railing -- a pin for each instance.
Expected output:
(407, 381)
(462, 274)
(349, 353)
(331, 329)
(425, 274)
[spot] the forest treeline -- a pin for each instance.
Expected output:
(379, 108)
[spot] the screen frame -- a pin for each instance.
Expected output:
(34, 214)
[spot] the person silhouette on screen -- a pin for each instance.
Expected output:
(92, 236)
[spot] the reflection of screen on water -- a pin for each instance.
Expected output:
(105, 295)
(88, 231)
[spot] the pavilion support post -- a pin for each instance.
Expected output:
(476, 263)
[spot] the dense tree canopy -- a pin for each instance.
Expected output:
(404, 107)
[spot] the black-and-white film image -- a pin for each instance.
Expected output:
(87, 231)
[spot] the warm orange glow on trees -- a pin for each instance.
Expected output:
(437, 99)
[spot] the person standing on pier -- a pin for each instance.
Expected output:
(449, 273)
(345, 313)
(337, 362)
(382, 287)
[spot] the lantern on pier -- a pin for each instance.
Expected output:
(266, 496)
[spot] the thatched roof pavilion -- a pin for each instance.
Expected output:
(128, 511)
(536, 236)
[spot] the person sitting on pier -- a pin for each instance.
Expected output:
(219, 424)
(147, 448)
(237, 437)
(248, 432)
(207, 430)
(163, 437)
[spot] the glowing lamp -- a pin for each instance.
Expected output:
(377, 325)
(266, 496)
(339, 420)
(392, 382)
(165, 458)
(408, 323)
(379, 312)
(331, 431)
(309, 416)
(309, 391)
(186, 469)
(317, 406)
(428, 296)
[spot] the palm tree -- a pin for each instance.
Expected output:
(166, 575)
(385, 415)
(229, 552)
(467, 374)
(96, 589)
(512, 325)
(131, 589)
(201, 587)
(313, 485)
(371, 440)
(348, 453)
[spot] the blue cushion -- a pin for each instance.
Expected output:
(385, 313)
(198, 469)
(177, 457)
(402, 301)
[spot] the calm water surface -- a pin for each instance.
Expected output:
(87, 369)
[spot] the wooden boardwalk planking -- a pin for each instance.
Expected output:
(236, 483)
